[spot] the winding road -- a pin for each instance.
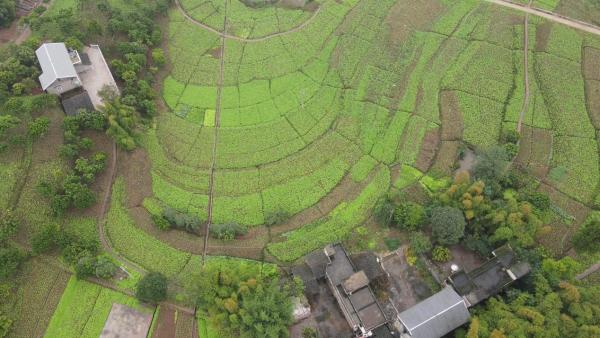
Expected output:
(238, 38)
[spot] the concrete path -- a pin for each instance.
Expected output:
(561, 19)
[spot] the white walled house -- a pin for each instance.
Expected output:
(58, 68)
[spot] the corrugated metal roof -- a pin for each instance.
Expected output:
(55, 62)
(437, 315)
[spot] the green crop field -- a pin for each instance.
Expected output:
(301, 111)
(83, 309)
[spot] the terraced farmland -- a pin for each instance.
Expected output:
(316, 116)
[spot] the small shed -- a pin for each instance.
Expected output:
(436, 316)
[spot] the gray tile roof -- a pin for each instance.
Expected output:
(55, 62)
(436, 316)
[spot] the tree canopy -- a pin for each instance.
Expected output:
(241, 302)
(447, 225)
(152, 288)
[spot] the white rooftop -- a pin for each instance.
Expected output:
(55, 62)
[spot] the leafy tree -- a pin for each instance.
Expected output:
(547, 310)
(105, 268)
(441, 254)
(587, 238)
(179, 220)
(38, 127)
(267, 311)
(80, 195)
(8, 122)
(10, 260)
(9, 225)
(242, 300)
(384, 211)
(447, 225)
(539, 200)
(8, 12)
(46, 239)
(409, 215)
(152, 288)
(5, 325)
(89, 168)
(158, 56)
(121, 120)
(420, 243)
(276, 218)
(227, 231)
(492, 164)
(85, 267)
(161, 222)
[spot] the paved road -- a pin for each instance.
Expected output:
(580, 25)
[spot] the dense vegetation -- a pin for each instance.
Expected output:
(241, 302)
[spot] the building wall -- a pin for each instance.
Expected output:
(61, 86)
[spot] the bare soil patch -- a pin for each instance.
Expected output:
(446, 157)
(451, 117)
(165, 324)
(535, 150)
(592, 97)
(428, 150)
(591, 63)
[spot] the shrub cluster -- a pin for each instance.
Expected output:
(173, 219)
(71, 189)
(227, 231)
(91, 266)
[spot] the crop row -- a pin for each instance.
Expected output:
(336, 226)
(135, 244)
